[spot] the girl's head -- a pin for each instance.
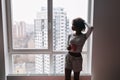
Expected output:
(78, 24)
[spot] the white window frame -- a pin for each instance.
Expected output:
(9, 22)
(50, 48)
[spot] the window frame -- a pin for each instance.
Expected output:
(50, 24)
(9, 31)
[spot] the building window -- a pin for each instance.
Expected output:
(37, 34)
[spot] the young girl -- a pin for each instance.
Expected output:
(76, 41)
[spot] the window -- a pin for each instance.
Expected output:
(38, 31)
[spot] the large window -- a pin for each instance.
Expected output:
(37, 34)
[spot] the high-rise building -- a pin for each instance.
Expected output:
(19, 29)
(19, 34)
(60, 32)
(60, 29)
(41, 33)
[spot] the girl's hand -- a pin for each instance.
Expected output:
(69, 47)
(73, 47)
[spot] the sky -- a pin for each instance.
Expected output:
(26, 10)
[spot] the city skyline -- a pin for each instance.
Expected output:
(60, 29)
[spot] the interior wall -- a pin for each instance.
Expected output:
(2, 62)
(106, 39)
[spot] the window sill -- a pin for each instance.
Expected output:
(82, 74)
(43, 77)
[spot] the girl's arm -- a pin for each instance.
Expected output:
(90, 29)
(68, 45)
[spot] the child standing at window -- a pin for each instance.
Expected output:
(76, 41)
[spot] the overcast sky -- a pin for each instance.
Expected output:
(26, 10)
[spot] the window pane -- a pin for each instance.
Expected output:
(42, 63)
(31, 64)
(64, 11)
(30, 31)
(29, 24)
(59, 63)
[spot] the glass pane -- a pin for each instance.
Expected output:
(85, 63)
(29, 24)
(59, 63)
(31, 64)
(40, 63)
(64, 11)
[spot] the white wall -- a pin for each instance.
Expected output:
(106, 39)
